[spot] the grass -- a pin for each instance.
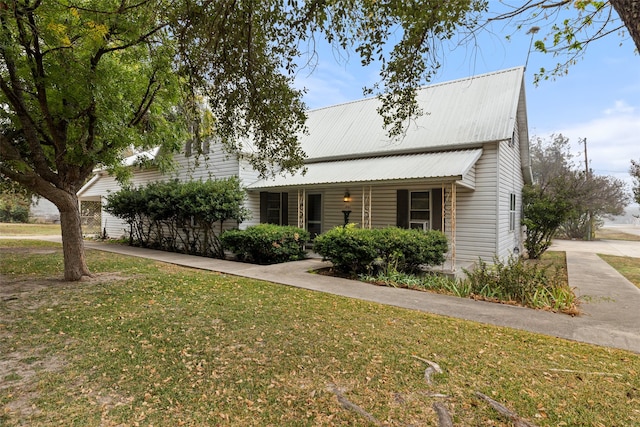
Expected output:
(18, 229)
(627, 266)
(614, 234)
(146, 343)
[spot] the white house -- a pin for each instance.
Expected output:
(459, 168)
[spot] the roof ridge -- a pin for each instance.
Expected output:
(427, 86)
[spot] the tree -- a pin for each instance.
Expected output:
(15, 201)
(83, 80)
(543, 212)
(570, 26)
(635, 174)
(588, 197)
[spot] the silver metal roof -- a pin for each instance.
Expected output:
(442, 165)
(458, 114)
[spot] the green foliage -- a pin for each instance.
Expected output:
(267, 243)
(360, 251)
(543, 213)
(568, 27)
(179, 216)
(587, 197)
(351, 250)
(635, 174)
(421, 282)
(13, 211)
(408, 250)
(15, 201)
(526, 283)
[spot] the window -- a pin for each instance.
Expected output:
(420, 210)
(273, 208)
(512, 212)
(197, 146)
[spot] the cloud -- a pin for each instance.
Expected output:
(620, 107)
(613, 139)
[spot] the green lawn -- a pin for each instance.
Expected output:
(146, 343)
(18, 229)
(627, 266)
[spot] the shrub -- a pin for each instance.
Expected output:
(267, 243)
(180, 216)
(351, 250)
(407, 250)
(526, 283)
(543, 213)
(360, 251)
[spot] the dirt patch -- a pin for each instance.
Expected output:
(20, 370)
(11, 288)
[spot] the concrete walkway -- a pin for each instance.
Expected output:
(610, 308)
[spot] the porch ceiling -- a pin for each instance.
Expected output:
(449, 165)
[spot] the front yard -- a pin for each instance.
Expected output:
(145, 343)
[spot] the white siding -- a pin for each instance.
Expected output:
(247, 176)
(511, 182)
(215, 165)
(476, 211)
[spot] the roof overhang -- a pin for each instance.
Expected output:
(441, 166)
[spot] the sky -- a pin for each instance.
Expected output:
(599, 99)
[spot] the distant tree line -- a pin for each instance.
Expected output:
(566, 200)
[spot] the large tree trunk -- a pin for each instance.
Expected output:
(75, 265)
(629, 11)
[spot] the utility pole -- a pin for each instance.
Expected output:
(586, 178)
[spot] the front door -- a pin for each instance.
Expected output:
(314, 214)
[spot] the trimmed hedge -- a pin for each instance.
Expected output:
(361, 251)
(267, 243)
(351, 250)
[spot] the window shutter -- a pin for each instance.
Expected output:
(284, 209)
(402, 208)
(436, 209)
(263, 206)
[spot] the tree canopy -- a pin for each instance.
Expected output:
(565, 28)
(82, 81)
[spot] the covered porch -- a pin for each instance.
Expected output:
(411, 191)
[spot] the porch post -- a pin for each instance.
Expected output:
(301, 208)
(444, 207)
(366, 207)
(453, 225)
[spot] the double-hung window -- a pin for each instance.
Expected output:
(512, 212)
(420, 210)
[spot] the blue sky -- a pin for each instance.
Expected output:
(599, 99)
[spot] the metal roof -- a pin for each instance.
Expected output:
(458, 114)
(441, 165)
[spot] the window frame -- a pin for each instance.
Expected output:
(426, 223)
(512, 211)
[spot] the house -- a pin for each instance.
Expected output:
(458, 168)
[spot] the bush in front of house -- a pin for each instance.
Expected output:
(358, 251)
(407, 250)
(267, 243)
(351, 250)
(179, 216)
